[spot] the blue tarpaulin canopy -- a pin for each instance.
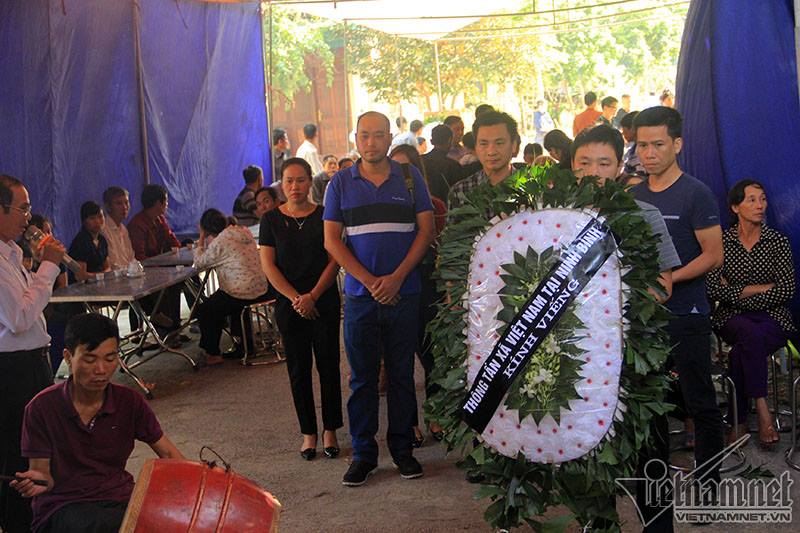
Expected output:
(72, 106)
(737, 91)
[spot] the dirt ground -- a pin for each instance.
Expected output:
(246, 414)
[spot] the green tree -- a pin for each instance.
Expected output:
(392, 68)
(294, 37)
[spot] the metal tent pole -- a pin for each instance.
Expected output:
(270, 127)
(267, 87)
(797, 39)
(438, 74)
(137, 43)
(347, 118)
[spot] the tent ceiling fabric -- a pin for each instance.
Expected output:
(369, 13)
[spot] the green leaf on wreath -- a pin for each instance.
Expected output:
(582, 485)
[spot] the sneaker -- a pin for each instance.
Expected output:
(358, 473)
(409, 467)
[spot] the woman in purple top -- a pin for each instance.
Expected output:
(752, 288)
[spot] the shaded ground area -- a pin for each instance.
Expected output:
(246, 415)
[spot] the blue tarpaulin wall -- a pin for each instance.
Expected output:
(737, 91)
(69, 102)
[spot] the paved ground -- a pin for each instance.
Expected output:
(246, 414)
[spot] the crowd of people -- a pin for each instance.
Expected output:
(378, 217)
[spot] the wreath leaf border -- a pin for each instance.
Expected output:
(520, 492)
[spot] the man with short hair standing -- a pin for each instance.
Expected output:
(120, 249)
(588, 116)
(609, 106)
(330, 164)
(624, 109)
(405, 136)
(456, 124)
(441, 170)
(690, 210)
(386, 214)
(24, 362)
(542, 122)
(495, 143)
(244, 207)
(280, 152)
(308, 150)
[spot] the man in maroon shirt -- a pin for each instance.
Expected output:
(150, 236)
(79, 434)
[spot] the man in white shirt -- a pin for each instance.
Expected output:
(308, 150)
(24, 362)
(120, 250)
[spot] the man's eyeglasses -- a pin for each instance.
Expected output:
(26, 210)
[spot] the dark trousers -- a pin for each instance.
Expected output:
(367, 324)
(86, 517)
(170, 307)
(427, 311)
(753, 337)
(301, 338)
(656, 507)
(213, 314)
(56, 331)
(22, 376)
(691, 358)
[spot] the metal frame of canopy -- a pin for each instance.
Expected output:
(441, 25)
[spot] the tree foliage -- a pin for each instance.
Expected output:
(294, 37)
(591, 48)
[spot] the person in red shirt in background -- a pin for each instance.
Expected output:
(79, 434)
(149, 231)
(588, 116)
(150, 236)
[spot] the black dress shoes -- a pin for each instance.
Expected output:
(331, 452)
(308, 454)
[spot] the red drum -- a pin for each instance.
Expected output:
(174, 496)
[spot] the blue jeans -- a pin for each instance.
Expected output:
(369, 330)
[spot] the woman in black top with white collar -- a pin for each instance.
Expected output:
(307, 310)
(752, 288)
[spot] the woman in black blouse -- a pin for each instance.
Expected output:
(89, 248)
(752, 288)
(307, 309)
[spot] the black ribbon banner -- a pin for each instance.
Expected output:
(523, 335)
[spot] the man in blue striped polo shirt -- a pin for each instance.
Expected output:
(386, 215)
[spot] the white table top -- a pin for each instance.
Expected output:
(124, 289)
(184, 257)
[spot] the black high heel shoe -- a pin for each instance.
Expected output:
(308, 454)
(331, 452)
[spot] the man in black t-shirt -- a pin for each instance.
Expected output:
(690, 211)
(441, 170)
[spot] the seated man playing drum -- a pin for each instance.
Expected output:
(78, 435)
